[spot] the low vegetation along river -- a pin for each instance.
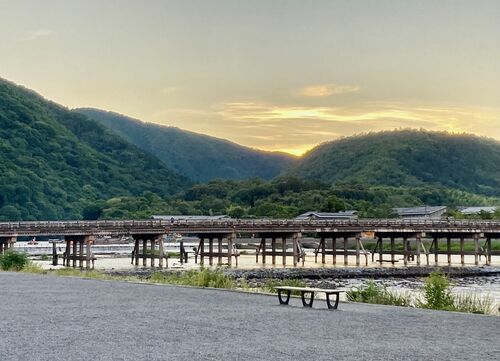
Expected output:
(484, 281)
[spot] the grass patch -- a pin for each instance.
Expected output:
(436, 295)
(472, 303)
(203, 277)
(32, 267)
(372, 292)
(270, 284)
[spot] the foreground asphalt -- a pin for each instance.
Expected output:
(55, 318)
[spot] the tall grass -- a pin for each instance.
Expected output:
(473, 303)
(270, 284)
(436, 295)
(372, 292)
(203, 277)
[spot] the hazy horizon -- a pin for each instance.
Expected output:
(272, 75)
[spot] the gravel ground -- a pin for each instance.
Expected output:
(55, 318)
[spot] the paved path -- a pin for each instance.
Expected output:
(50, 318)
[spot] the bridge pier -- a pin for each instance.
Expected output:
(297, 253)
(345, 236)
(217, 252)
(79, 252)
(7, 243)
(148, 250)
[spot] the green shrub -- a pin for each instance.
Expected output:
(13, 261)
(371, 292)
(437, 293)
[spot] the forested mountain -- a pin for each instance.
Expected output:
(54, 163)
(199, 157)
(408, 158)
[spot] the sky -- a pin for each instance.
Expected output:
(269, 74)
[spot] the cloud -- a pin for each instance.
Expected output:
(326, 90)
(295, 129)
(36, 34)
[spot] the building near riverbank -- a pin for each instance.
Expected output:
(328, 216)
(425, 212)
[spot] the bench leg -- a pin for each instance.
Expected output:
(311, 299)
(336, 304)
(284, 302)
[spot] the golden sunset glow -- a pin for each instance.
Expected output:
(224, 68)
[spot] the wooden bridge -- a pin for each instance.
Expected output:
(272, 238)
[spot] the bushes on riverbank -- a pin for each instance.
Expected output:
(371, 292)
(13, 261)
(436, 295)
(205, 277)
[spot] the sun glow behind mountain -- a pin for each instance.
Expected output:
(271, 75)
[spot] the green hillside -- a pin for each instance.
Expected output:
(199, 157)
(54, 163)
(409, 158)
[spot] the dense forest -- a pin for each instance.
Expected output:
(60, 164)
(199, 157)
(55, 163)
(408, 158)
(288, 197)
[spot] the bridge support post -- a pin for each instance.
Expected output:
(419, 246)
(323, 250)
(88, 253)
(393, 249)
(137, 252)
(80, 256)
(436, 250)
(381, 250)
(201, 251)
(405, 251)
(334, 250)
(358, 245)
(230, 243)
(448, 250)
(346, 259)
(263, 248)
(73, 256)
(144, 251)
(295, 252)
(211, 251)
(161, 243)
(283, 250)
(153, 250)
(219, 251)
(462, 256)
(273, 249)
(488, 251)
(476, 249)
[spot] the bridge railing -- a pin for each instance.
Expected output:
(250, 223)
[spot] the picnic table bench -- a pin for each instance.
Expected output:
(304, 290)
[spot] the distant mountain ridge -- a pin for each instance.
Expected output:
(200, 157)
(409, 158)
(55, 163)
